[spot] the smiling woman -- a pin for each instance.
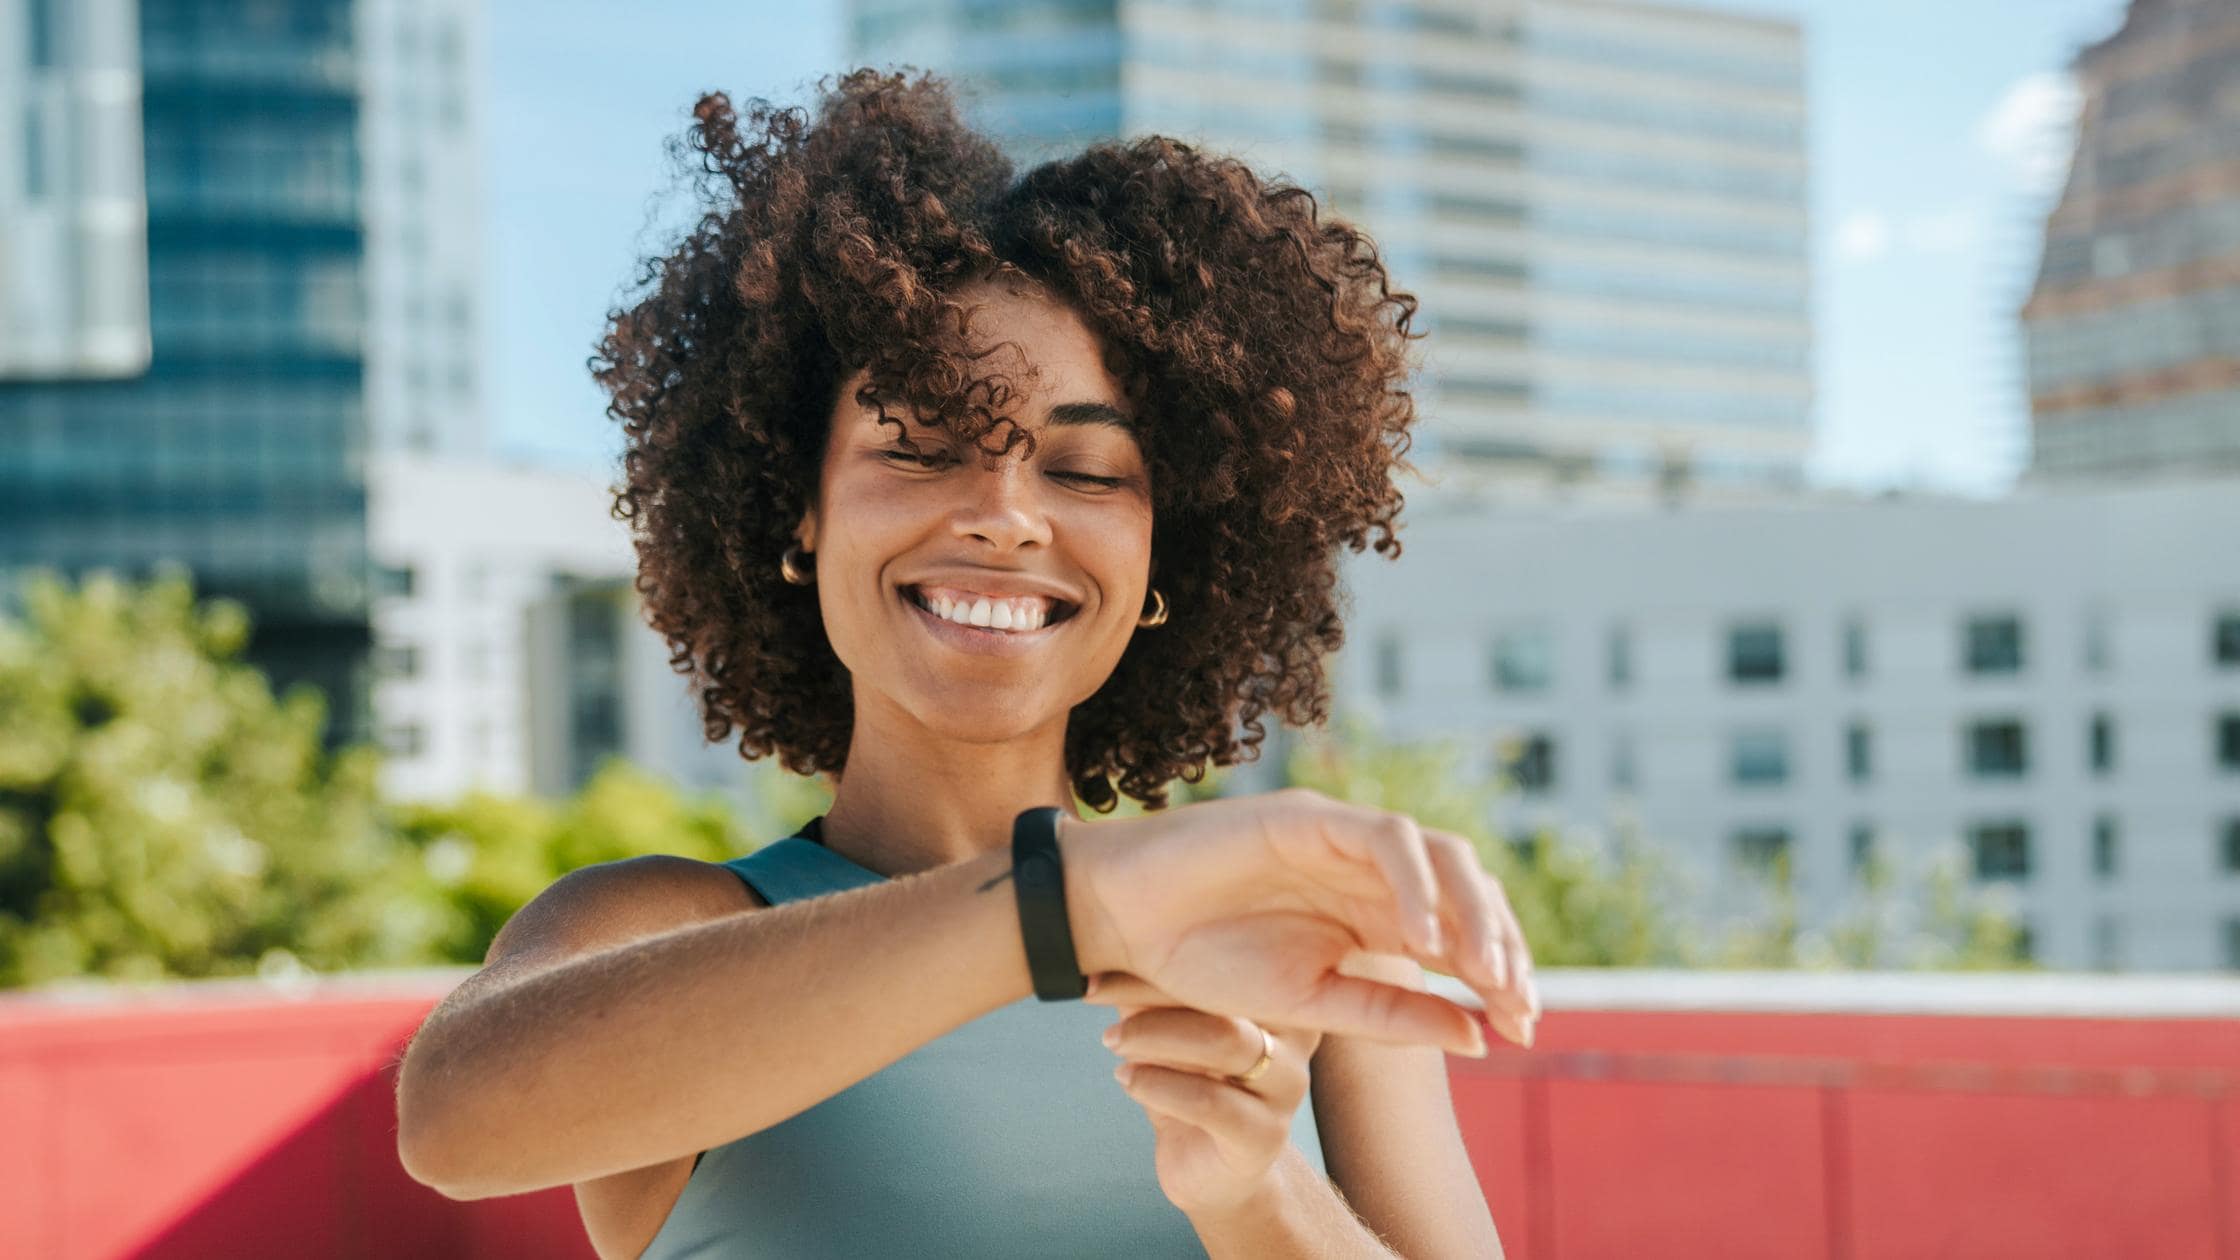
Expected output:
(984, 496)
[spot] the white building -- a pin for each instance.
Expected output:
(73, 198)
(475, 560)
(2052, 680)
(420, 134)
(1601, 204)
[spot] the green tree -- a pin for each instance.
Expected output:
(484, 856)
(162, 814)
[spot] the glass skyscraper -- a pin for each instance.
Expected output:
(2133, 328)
(239, 454)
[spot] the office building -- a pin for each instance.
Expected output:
(238, 452)
(2133, 327)
(1601, 204)
(73, 205)
(2049, 682)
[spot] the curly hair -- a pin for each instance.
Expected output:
(1259, 342)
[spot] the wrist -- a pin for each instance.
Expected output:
(1082, 849)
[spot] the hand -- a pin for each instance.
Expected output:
(1249, 906)
(1218, 1137)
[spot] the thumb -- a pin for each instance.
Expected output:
(1351, 1007)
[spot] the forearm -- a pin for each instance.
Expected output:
(1300, 1215)
(686, 1040)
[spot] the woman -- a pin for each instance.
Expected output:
(980, 496)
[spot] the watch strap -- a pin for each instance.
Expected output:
(1038, 875)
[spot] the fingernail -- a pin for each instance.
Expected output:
(1125, 1073)
(1112, 1036)
(1477, 1047)
(1091, 989)
(1434, 942)
(1528, 1024)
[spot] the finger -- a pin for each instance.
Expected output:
(1239, 1122)
(1351, 1007)
(1483, 934)
(1120, 988)
(1396, 844)
(1520, 951)
(1197, 1041)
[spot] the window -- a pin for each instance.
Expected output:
(1994, 645)
(2105, 838)
(1520, 660)
(1754, 653)
(1761, 849)
(1389, 680)
(2102, 740)
(1529, 762)
(1854, 649)
(2107, 943)
(1862, 847)
(1858, 752)
(398, 660)
(2232, 943)
(2224, 647)
(2001, 850)
(2026, 940)
(405, 740)
(1621, 658)
(2228, 741)
(2232, 846)
(2096, 650)
(1998, 749)
(1760, 757)
(394, 580)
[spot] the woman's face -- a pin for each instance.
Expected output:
(1058, 545)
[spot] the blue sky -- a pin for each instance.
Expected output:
(1929, 177)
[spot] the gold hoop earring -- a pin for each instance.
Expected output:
(1158, 615)
(790, 568)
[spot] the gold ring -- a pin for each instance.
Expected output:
(1267, 1056)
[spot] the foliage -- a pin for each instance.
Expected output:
(484, 856)
(161, 814)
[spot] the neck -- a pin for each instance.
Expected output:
(911, 800)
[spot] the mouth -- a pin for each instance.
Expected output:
(1008, 616)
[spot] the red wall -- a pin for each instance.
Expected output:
(220, 1121)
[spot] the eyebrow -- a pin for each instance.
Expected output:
(1091, 413)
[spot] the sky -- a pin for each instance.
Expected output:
(1937, 138)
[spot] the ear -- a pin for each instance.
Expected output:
(805, 533)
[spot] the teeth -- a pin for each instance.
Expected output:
(1017, 616)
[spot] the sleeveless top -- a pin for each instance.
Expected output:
(1007, 1137)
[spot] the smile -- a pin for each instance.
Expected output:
(981, 623)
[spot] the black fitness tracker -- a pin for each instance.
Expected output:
(1039, 875)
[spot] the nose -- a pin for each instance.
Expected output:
(1001, 504)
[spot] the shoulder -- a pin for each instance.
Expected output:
(613, 903)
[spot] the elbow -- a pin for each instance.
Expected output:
(424, 1148)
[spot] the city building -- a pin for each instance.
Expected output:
(2133, 327)
(421, 131)
(238, 452)
(2051, 682)
(73, 204)
(1602, 205)
(510, 653)
(299, 286)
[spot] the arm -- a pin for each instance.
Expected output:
(1392, 1144)
(1302, 1215)
(545, 1069)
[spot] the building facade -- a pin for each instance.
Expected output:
(510, 652)
(2050, 683)
(2133, 326)
(1602, 205)
(73, 205)
(238, 453)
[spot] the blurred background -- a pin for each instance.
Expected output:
(1812, 596)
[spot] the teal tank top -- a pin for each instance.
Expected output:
(1007, 1137)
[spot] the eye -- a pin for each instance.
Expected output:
(899, 456)
(1105, 483)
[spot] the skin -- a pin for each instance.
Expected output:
(943, 741)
